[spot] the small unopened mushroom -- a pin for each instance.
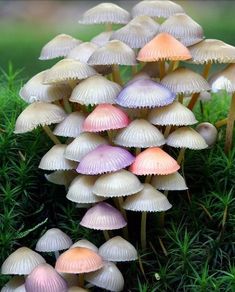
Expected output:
(170, 182)
(85, 243)
(208, 132)
(53, 240)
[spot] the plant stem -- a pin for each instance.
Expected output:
(51, 135)
(230, 125)
(106, 235)
(81, 280)
(143, 230)
(180, 157)
(161, 69)
(116, 74)
(221, 123)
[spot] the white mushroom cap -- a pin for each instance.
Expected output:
(53, 240)
(224, 80)
(108, 278)
(38, 114)
(102, 38)
(117, 249)
(14, 283)
(54, 159)
(85, 243)
(59, 46)
(186, 137)
(21, 262)
(71, 126)
(170, 182)
(208, 132)
(61, 177)
(82, 52)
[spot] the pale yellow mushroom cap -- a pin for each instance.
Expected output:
(85, 243)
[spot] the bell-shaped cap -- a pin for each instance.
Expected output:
(59, 46)
(186, 137)
(82, 145)
(80, 190)
(45, 278)
(174, 114)
(103, 216)
(212, 51)
(113, 53)
(224, 80)
(156, 8)
(154, 161)
(147, 200)
(105, 13)
(85, 243)
(34, 90)
(108, 278)
(183, 28)
(61, 177)
(21, 262)
(54, 159)
(137, 32)
(144, 93)
(105, 117)
(71, 126)
(117, 184)
(53, 240)
(141, 134)
(185, 81)
(117, 249)
(82, 52)
(102, 38)
(163, 47)
(78, 260)
(38, 114)
(170, 182)
(104, 159)
(95, 90)
(14, 284)
(208, 132)
(68, 70)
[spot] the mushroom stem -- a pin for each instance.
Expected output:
(67, 105)
(81, 280)
(116, 74)
(57, 254)
(181, 98)
(137, 151)
(230, 125)
(173, 65)
(180, 157)
(162, 69)
(148, 178)
(167, 131)
(106, 235)
(221, 123)
(51, 135)
(143, 230)
(162, 214)
(125, 229)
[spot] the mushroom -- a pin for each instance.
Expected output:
(170, 182)
(53, 240)
(45, 278)
(208, 132)
(61, 177)
(85, 243)
(102, 38)
(82, 52)
(104, 159)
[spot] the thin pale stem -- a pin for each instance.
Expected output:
(67, 105)
(106, 235)
(81, 280)
(167, 131)
(148, 179)
(230, 125)
(181, 98)
(123, 211)
(137, 151)
(162, 71)
(116, 74)
(51, 135)
(180, 157)
(57, 254)
(143, 230)
(162, 214)
(221, 123)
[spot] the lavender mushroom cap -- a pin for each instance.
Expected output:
(104, 159)
(145, 93)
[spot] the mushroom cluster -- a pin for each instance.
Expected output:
(119, 108)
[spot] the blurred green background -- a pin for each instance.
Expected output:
(25, 26)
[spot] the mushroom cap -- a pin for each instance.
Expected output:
(183, 28)
(138, 32)
(54, 159)
(109, 278)
(77, 289)
(141, 134)
(68, 70)
(35, 90)
(174, 114)
(53, 240)
(154, 161)
(105, 117)
(103, 216)
(102, 38)
(163, 47)
(224, 80)
(82, 145)
(156, 8)
(82, 52)
(205, 96)
(80, 190)
(45, 278)
(95, 90)
(20, 288)
(208, 132)
(85, 243)
(14, 283)
(71, 126)
(117, 249)
(61, 177)
(78, 260)
(117, 184)
(211, 50)
(59, 46)
(170, 182)
(38, 114)
(186, 137)
(185, 81)
(21, 262)
(144, 93)
(113, 52)
(104, 159)
(105, 13)
(147, 200)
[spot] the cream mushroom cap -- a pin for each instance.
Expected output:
(224, 80)
(85, 243)
(61, 177)
(208, 132)
(170, 182)
(102, 38)
(82, 52)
